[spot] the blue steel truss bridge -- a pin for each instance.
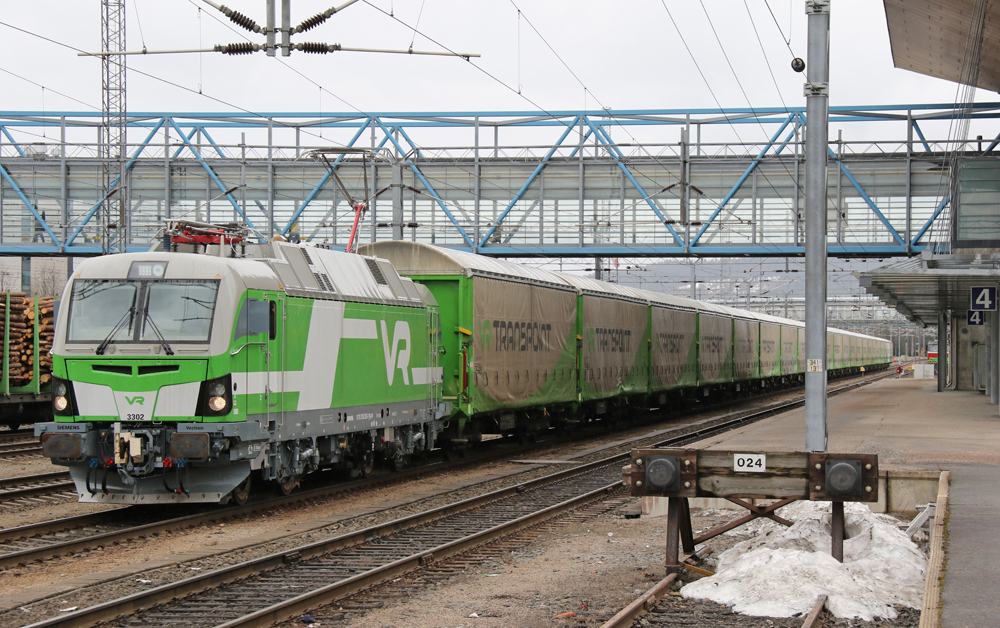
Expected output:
(667, 183)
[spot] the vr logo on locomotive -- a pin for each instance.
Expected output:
(396, 357)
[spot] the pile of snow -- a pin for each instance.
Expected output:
(781, 571)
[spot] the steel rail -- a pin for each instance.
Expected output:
(813, 617)
(28, 479)
(105, 518)
(41, 484)
(68, 546)
(15, 446)
(283, 610)
(15, 435)
(20, 453)
(645, 602)
(37, 491)
(53, 526)
(265, 617)
(181, 588)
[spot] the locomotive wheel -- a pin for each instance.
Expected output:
(367, 465)
(240, 495)
(288, 484)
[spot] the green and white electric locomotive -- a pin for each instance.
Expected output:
(181, 376)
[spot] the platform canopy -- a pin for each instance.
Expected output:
(921, 287)
(931, 36)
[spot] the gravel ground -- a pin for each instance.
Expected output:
(14, 467)
(590, 569)
(677, 611)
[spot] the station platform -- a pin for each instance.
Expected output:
(912, 426)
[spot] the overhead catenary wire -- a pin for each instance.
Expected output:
(138, 22)
(36, 84)
(747, 98)
(481, 69)
(417, 23)
(787, 40)
(304, 128)
(586, 90)
(767, 61)
(712, 92)
(437, 182)
(965, 96)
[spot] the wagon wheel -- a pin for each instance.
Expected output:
(241, 494)
(397, 464)
(288, 484)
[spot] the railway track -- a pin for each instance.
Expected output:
(286, 583)
(57, 484)
(7, 436)
(45, 540)
(20, 449)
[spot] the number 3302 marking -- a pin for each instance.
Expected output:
(750, 463)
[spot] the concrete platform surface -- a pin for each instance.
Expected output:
(911, 425)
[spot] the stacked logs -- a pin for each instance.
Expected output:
(21, 338)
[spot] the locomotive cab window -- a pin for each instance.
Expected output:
(256, 317)
(134, 311)
(180, 311)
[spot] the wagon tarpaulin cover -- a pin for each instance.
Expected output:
(747, 337)
(770, 343)
(674, 348)
(614, 333)
(715, 340)
(789, 341)
(520, 339)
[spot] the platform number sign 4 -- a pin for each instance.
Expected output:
(984, 299)
(975, 318)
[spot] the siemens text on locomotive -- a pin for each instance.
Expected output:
(183, 376)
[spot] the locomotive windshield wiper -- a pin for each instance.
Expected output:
(125, 319)
(156, 330)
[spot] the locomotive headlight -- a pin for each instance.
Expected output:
(215, 397)
(217, 404)
(63, 403)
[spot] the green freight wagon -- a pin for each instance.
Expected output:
(674, 343)
(614, 330)
(509, 340)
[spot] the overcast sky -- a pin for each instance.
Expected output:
(560, 55)
(628, 55)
